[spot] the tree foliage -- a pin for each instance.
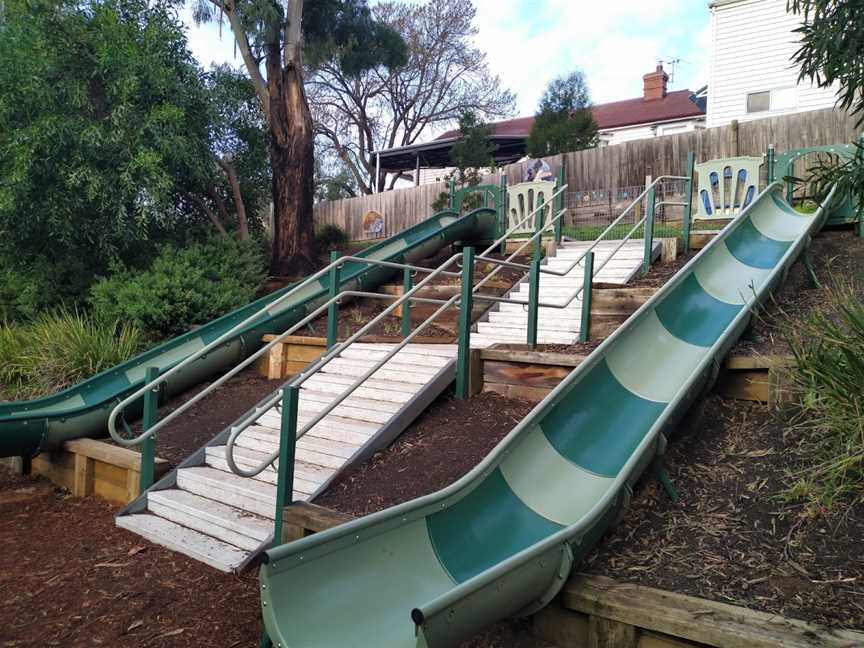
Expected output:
(273, 40)
(832, 51)
(563, 121)
(445, 76)
(470, 154)
(103, 138)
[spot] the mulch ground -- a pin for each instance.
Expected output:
(70, 578)
(731, 537)
(444, 443)
(216, 411)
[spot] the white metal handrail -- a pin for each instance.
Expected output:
(123, 404)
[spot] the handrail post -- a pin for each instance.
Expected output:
(452, 190)
(287, 449)
(587, 289)
(501, 227)
(466, 304)
(533, 299)
(148, 447)
(333, 308)
(688, 200)
(407, 284)
(649, 232)
(770, 162)
(538, 227)
(558, 205)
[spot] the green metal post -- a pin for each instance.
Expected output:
(466, 304)
(333, 308)
(770, 162)
(559, 203)
(649, 232)
(538, 226)
(688, 202)
(452, 193)
(533, 299)
(503, 213)
(407, 284)
(587, 286)
(148, 447)
(287, 447)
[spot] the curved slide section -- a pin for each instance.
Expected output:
(503, 539)
(30, 427)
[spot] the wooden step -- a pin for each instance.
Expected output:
(307, 477)
(250, 495)
(311, 395)
(227, 523)
(203, 548)
(402, 357)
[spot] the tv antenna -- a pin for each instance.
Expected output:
(673, 66)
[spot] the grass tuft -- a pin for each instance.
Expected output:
(59, 349)
(828, 345)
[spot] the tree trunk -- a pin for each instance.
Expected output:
(291, 153)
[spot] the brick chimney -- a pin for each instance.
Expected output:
(654, 84)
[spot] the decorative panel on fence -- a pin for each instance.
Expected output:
(611, 167)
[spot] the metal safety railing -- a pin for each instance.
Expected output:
(288, 394)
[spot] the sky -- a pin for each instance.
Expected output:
(529, 42)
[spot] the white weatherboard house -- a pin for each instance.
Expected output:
(752, 74)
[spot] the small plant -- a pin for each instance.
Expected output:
(60, 349)
(828, 346)
(331, 237)
(392, 327)
(356, 315)
(183, 287)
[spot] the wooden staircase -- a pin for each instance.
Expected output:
(207, 512)
(508, 323)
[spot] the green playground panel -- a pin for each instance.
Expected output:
(502, 540)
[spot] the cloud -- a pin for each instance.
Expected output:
(529, 42)
(614, 43)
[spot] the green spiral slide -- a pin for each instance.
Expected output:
(30, 427)
(503, 539)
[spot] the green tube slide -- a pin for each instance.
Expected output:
(502, 540)
(30, 427)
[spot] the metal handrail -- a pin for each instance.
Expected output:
(596, 271)
(608, 229)
(123, 404)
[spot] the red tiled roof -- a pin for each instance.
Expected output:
(629, 112)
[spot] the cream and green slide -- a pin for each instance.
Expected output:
(502, 540)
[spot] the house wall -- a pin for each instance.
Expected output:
(752, 47)
(611, 137)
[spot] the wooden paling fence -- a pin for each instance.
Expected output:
(611, 167)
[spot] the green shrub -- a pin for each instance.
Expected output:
(184, 287)
(59, 349)
(331, 237)
(828, 346)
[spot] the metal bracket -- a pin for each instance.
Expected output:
(558, 582)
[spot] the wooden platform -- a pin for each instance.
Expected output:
(90, 467)
(755, 377)
(598, 612)
(206, 511)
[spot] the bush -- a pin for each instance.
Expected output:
(331, 237)
(184, 287)
(828, 346)
(59, 349)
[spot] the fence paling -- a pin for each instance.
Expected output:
(622, 165)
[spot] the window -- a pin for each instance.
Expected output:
(777, 99)
(758, 102)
